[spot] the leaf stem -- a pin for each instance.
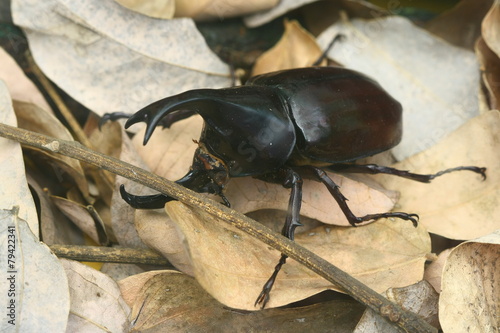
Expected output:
(405, 320)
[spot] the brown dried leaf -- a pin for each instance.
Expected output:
(169, 152)
(434, 272)
(249, 194)
(457, 205)
(490, 72)
(85, 217)
(161, 234)
(419, 298)
(175, 302)
(461, 25)
(14, 190)
(33, 118)
(491, 28)
(20, 87)
(296, 48)
(383, 254)
(220, 9)
(471, 280)
(96, 303)
(131, 286)
(163, 9)
(55, 228)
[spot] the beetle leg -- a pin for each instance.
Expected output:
(342, 202)
(374, 169)
(293, 181)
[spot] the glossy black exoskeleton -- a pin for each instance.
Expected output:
(281, 127)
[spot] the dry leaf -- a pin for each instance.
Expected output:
(419, 298)
(14, 190)
(85, 217)
(471, 280)
(120, 271)
(55, 228)
(458, 205)
(163, 9)
(20, 87)
(296, 48)
(283, 7)
(139, 67)
(33, 118)
(34, 286)
(131, 286)
(491, 28)
(435, 81)
(490, 72)
(96, 303)
(175, 302)
(220, 9)
(461, 25)
(169, 152)
(249, 194)
(383, 254)
(433, 272)
(161, 234)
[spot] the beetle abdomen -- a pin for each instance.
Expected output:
(340, 115)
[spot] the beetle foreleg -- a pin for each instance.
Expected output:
(374, 169)
(294, 181)
(342, 202)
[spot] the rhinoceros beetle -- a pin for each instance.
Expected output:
(282, 127)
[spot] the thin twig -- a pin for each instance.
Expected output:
(405, 320)
(109, 254)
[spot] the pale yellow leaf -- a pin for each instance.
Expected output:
(88, 50)
(458, 205)
(296, 48)
(34, 287)
(96, 303)
(233, 266)
(163, 9)
(419, 298)
(220, 9)
(470, 297)
(435, 82)
(491, 28)
(20, 87)
(14, 190)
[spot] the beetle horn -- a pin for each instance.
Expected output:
(196, 180)
(154, 112)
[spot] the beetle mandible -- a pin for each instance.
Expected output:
(281, 127)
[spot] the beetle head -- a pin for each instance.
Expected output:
(246, 128)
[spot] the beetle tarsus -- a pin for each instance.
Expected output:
(266, 289)
(113, 116)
